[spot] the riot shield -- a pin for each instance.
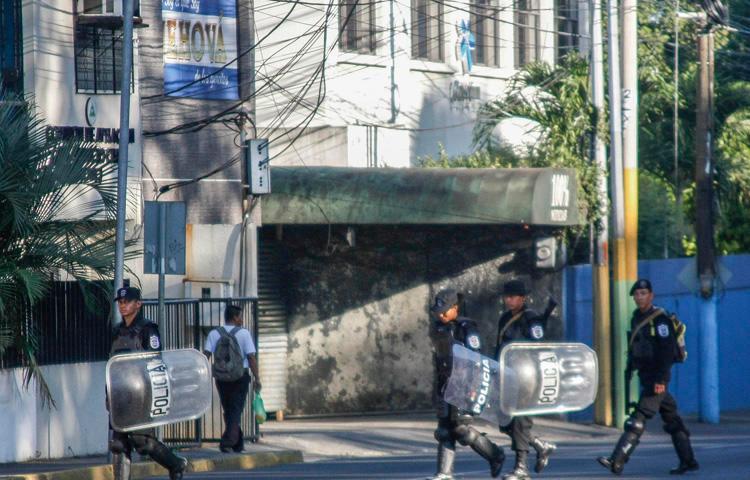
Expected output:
(543, 378)
(157, 388)
(474, 385)
(530, 379)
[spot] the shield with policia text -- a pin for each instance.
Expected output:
(149, 389)
(529, 379)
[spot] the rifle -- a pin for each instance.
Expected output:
(629, 406)
(551, 304)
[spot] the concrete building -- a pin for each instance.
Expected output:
(357, 84)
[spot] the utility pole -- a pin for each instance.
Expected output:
(122, 154)
(619, 290)
(600, 277)
(630, 148)
(704, 229)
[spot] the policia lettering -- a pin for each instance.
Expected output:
(484, 389)
(160, 399)
(652, 346)
(136, 334)
(519, 323)
(447, 329)
(550, 377)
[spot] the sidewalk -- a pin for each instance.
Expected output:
(364, 436)
(205, 459)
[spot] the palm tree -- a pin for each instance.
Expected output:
(555, 103)
(43, 180)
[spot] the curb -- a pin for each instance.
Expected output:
(246, 461)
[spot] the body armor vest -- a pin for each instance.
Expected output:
(128, 339)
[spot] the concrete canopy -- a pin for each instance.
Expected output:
(415, 196)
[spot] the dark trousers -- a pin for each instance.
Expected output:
(145, 443)
(650, 404)
(233, 396)
(519, 431)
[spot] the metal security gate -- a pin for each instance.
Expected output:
(187, 324)
(272, 326)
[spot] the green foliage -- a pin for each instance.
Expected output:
(660, 230)
(557, 99)
(41, 178)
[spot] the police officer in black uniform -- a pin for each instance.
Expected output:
(136, 334)
(519, 323)
(652, 346)
(447, 329)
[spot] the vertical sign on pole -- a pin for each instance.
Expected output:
(164, 243)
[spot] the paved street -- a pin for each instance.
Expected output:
(401, 448)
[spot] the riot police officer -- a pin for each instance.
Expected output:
(135, 334)
(447, 329)
(519, 323)
(652, 344)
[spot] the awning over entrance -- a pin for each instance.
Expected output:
(412, 196)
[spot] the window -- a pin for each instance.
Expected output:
(566, 18)
(96, 7)
(486, 26)
(427, 30)
(11, 55)
(527, 32)
(98, 58)
(105, 7)
(357, 26)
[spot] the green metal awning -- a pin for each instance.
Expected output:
(414, 196)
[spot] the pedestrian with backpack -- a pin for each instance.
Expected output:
(655, 342)
(233, 352)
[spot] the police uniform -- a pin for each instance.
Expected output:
(525, 325)
(651, 350)
(454, 424)
(142, 335)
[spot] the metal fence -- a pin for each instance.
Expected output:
(68, 328)
(186, 325)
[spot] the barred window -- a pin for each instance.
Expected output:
(486, 25)
(11, 56)
(357, 26)
(98, 58)
(566, 18)
(527, 32)
(427, 30)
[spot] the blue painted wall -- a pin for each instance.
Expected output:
(733, 318)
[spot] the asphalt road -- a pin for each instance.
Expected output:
(368, 452)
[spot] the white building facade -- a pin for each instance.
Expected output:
(403, 78)
(360, 83)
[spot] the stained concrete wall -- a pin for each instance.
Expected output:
(358, 321)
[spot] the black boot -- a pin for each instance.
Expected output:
(520, 471)
(165, 457)
(543, 451)
(490, 452)
(446, 456)
(681, 442)
(121, 466)
(625, 446)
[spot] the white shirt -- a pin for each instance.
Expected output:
(244, 338)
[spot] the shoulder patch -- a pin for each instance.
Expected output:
(537, 332)
(153, 342)
(474, 341)
(663, 330)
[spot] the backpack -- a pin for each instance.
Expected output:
(680, 354)
(228, 364)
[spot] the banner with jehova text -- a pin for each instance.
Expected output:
(200, 38)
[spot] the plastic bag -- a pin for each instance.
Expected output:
(259, 409)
